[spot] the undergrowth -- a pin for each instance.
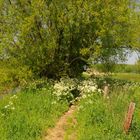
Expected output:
(103, 119)
(26, 115)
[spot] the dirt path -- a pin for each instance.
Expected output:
(58, 132)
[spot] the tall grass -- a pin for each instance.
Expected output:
(103, 119)
(27, 115)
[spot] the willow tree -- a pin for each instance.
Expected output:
(57, 37)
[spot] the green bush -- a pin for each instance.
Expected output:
(13, 74)
(55, 38)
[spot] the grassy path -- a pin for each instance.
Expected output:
(58, 132)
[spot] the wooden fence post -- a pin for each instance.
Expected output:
(129, 117)
(106, 91)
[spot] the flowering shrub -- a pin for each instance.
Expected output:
(88, 86)
(65, 87)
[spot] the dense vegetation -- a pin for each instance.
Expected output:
(30, 112)
(27, 114)
(103, 119)
(45, 45)
(43, 36)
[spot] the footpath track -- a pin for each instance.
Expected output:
(58, 132)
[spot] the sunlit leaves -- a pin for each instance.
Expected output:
(56, 32)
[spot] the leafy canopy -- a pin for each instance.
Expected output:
(57, 37)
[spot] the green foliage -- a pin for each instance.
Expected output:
(99, 118)
(56, 38)
(13, 74)
(138, 66)
(28, 114)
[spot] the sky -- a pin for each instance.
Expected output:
(132, 58)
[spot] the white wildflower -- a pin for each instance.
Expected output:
(99, 90)
(107, 97)
(7, 106)
(93, 88)
(54, 102)
(10, 103)
(13, 108)
(14, 97)
(84, 96)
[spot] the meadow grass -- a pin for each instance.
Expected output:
(103, 119)
(127, 76)
(27, 115)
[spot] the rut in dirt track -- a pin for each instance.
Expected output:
(58, 132)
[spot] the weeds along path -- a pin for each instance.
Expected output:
(58, 132)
